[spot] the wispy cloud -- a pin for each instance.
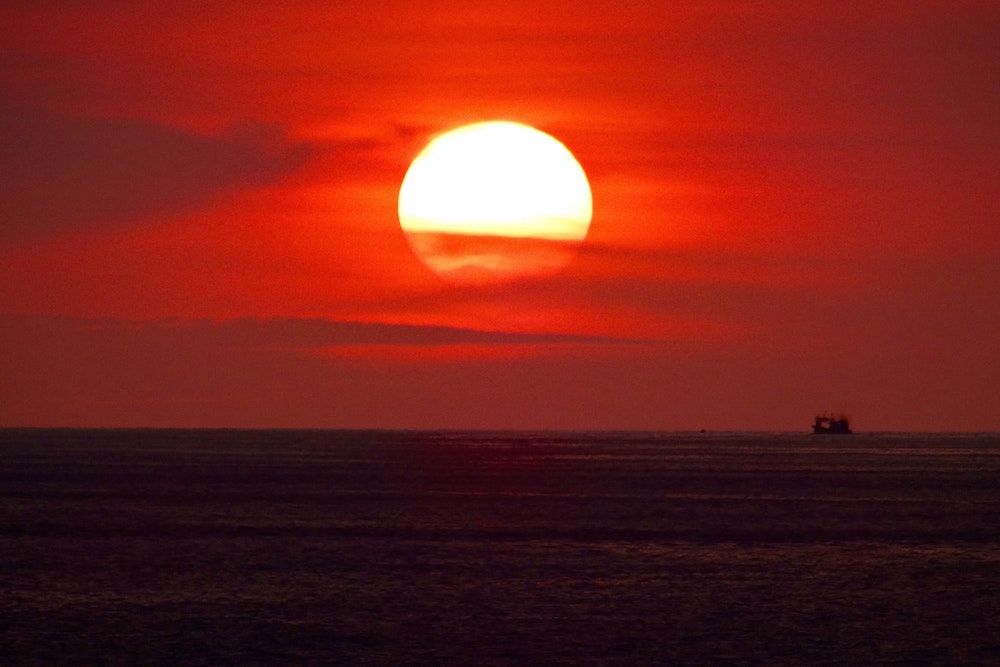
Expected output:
(62, 173)
(61, 370)
(280, 334)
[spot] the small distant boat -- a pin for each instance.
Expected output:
(831, 425)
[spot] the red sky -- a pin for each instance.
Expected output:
(795, 210)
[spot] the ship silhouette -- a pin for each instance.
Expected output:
(831, 425)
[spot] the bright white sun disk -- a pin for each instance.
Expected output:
(496, 179)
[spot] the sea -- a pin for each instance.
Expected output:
(284, 547)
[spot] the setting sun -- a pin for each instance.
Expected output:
(494, 201)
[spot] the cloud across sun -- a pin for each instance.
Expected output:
(495, 201)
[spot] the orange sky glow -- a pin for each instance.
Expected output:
(796, 208)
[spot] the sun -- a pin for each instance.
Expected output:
(493, 202)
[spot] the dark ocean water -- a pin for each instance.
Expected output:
(388, 548)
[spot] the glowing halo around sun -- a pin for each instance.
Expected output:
(493, 202)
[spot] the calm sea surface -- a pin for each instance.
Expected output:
(390, 548)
